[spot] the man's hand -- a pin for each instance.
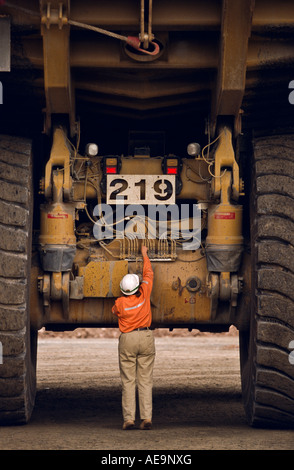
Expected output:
(144, 250)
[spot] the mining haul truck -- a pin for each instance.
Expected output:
(163, 123)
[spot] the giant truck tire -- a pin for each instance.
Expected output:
(267, 373)
(18, 341)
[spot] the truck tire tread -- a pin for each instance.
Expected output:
(17, 372)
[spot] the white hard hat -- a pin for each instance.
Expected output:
(129, 284)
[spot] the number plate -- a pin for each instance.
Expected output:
(141, 189)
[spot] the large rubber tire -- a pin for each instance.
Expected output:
(266, 371)
(19, 342)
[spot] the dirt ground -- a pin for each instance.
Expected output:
(197, 398)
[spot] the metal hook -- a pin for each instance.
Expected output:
(134, 42)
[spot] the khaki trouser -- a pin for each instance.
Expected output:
(136, 361)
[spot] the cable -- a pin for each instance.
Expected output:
(203, 180)
(211, 162)
(23, 10)
(97, 30)
(132, 41)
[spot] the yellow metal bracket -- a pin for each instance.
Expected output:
(233, 47)
(59, 92)
(52, 16)
(59, 158)
(225, 159)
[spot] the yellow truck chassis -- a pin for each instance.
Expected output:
(213, 201)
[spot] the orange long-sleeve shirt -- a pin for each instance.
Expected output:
(135, 311)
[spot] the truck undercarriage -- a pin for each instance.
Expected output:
(151, 122)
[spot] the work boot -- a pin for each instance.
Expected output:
(130, 424)
(146, 424)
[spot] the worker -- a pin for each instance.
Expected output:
(136, 345)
